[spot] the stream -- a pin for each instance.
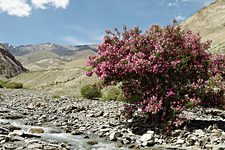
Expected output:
(75, 142)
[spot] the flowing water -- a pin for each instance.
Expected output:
(56, 134)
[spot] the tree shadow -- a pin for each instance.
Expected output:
(203, 124)
(140, 125)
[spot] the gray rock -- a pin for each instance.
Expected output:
(176, 133)
(159, 141)
(199, 133)
(180, 141)
(208, 147)
(18, 138)
(105, 130)
(190, 141)
(147, 137)
(16, 132)
(126, 141)
(92, 142)
(76, 132)
(90, 115)
(114, 135)
(36, 130)
(98, 114)
(10, 146)
(223, 135)
(35, 146)
(148, 143)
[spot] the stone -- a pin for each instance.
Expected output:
(208, 147)
(16, 132)
(18, 138)
(105, 130)
(10, 146)
(92, 142)
(216, 132)
(190, 141)
(90, 115)
(145, 143)
(4, 130)
(199, 133)
(31, 106)
(223, 135)
(148, 136)
(203, 141)
(114, 135)
(36, 130)
(148, 143)
(180, 141)
(159, 141)
(35, 146)
(176, 133)
(98, 114)
(76, 132)
(126, 141)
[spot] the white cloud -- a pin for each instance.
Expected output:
(172, 4)
(175, 3)
(23, 8)
(75, 41)
(18, 8)
(43, 4)
(179, 18)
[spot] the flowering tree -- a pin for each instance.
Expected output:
(162, 71)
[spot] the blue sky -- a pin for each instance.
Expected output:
(78, 22)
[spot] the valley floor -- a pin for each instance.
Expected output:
(36, 120)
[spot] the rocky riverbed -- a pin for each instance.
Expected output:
(37, 120)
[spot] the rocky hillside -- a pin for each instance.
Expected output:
(56, 68)
(9, 66)
(48, 55)
(210, 23)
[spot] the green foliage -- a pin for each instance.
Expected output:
(10, 85)
(2, 83)
(90, 91)
(55, 96)
(112, 93)
(14, 85)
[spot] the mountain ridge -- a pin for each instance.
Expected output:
(208, 22)
(9, 66)
(49, 55)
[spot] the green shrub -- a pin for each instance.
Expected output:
(56, 96)
(113, 93)
(2, 83)
(90, 91)
(13, 85)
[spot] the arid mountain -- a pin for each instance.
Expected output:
(209, 22)
(50, 56)
(9, 66)
(56, 68)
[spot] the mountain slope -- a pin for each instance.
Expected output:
(9, 66)
(50, 56)
(209, 22)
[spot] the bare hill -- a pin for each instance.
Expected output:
(209, 22)
(50, 56)
(55, 68)
(9, 66)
